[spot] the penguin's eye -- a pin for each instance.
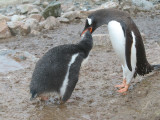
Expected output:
(89, 20)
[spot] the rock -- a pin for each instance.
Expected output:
(12, 60)
(126, 8)
(109, 4)
(106, 5)
(23, 9)
(143, 4)
(66, 7)
(25, 1)
(102, 40)
(37, 2)
(45, 4)
(11, 10)
(131, 9)
(157, 6)
(2, 17)
(73, 15)
(52, 10)
(32, 23)
(25, 30)
(38, 17)
(35, 33)
(18, 28)
(63, 20)
(34, 11)
(4, 30)
(2, 10)
(50, 23)
(71, 9)
(17, 17)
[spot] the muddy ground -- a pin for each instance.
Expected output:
(94, 97)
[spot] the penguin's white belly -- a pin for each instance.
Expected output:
(117, 39)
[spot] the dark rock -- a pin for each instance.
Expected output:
(53, 9)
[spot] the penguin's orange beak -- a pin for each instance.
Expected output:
(90, 29)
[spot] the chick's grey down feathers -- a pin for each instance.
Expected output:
(51, 69)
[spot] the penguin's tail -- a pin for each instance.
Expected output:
(33, 95)
(156, 67)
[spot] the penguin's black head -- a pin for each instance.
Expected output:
(96, 19)
(89, 25)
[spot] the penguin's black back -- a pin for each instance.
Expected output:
(104, 16)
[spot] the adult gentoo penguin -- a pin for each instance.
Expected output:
(126, 41)
(58, 70)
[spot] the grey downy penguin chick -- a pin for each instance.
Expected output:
(58, 70)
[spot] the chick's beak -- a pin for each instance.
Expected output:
(90, 29)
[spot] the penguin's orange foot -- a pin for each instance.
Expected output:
(44, 98)
(124, 89)
(122, 85)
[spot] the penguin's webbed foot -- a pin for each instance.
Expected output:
(123, 87)
(44, 98)
(122, 90)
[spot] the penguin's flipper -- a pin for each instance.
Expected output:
(128, 45)
(73, 77)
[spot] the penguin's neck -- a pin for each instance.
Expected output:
(103, 21)
(85, 46)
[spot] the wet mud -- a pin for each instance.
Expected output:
(95, 97)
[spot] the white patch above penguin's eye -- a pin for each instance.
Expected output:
(89, 21)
